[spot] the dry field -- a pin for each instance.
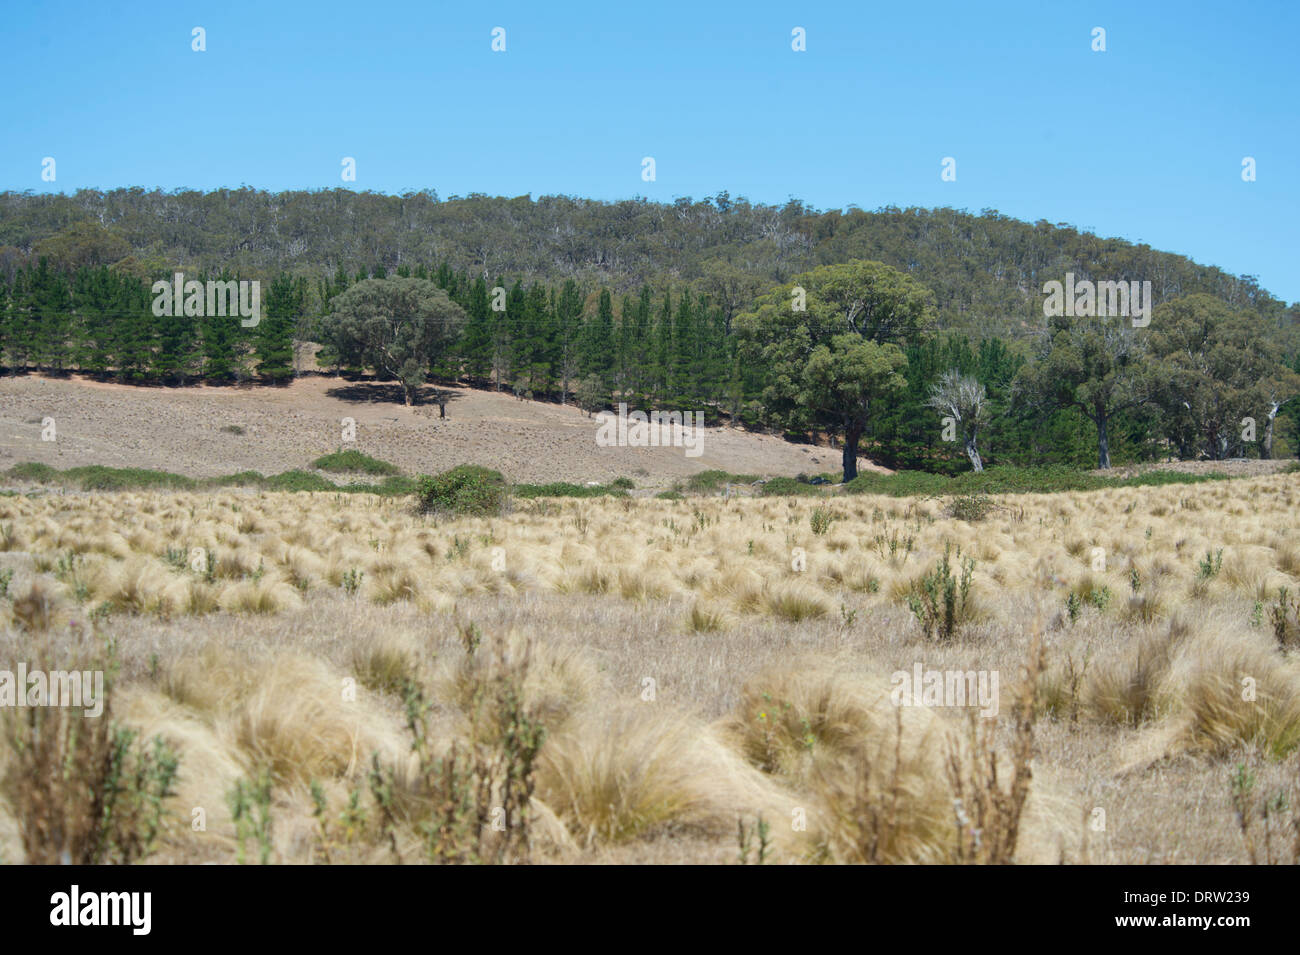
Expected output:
(615, 680)
(184, 430)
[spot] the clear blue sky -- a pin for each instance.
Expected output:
(1144, 141)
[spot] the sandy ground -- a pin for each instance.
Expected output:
(181, 430)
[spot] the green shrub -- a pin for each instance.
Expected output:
(298, 480)
(940, 600)
(784, 487)
(715, 480)
(354, 461)
(32, 471)
(465, 489)
(970, 507)
(565, 489)
(239, 479)
(96, 477)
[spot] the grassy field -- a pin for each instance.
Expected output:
(335, 677)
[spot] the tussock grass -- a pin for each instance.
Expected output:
(303, 635)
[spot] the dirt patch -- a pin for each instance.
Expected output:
(194, 431)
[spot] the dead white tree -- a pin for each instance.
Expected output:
(964, 400)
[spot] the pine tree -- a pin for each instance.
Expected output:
(568, 326)
(5, 294)
(597, 340)
(220, 344)
(273, 337)
(475, 346)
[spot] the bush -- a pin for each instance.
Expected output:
(465, 489)
(239, 479)
(565, 489)
(82, 788)
(299, 481)
(96, 477)
(940, 600)
(970, 507)
(715, 480)
(353, 461)
(784, 486)
(32, 471)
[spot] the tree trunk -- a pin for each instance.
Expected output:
(1103, 444)
(851, 454)
(973, 453)
(1268, 431)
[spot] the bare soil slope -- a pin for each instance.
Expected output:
(181, 430)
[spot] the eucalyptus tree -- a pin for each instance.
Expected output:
(398, 326)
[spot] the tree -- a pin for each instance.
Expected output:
(1218, 366)
(591, 393)
(568, 319)
(964, 399)
(827, 346)
(732, 288)
(1098, 366)
(398, 326)
(286, 300)
(845, 379)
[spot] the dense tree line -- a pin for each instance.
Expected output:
(944, 324)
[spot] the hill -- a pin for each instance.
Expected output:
(986, 270)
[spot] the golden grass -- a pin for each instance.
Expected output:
(293, 643)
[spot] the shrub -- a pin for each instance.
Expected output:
(239, 479)
(354, 461)
(297, 480)
(784, 486)
(970, 507)
(566, 489)
(465, 489)
(1210, 565)
(84, 791)
(714, 480)
(32, 471)
(96, 477)
(940, 600)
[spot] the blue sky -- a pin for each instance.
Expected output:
(1144, 141)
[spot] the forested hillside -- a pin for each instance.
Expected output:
(986, 271)
(913, 317)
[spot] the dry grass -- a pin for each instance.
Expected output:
(689, 667)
